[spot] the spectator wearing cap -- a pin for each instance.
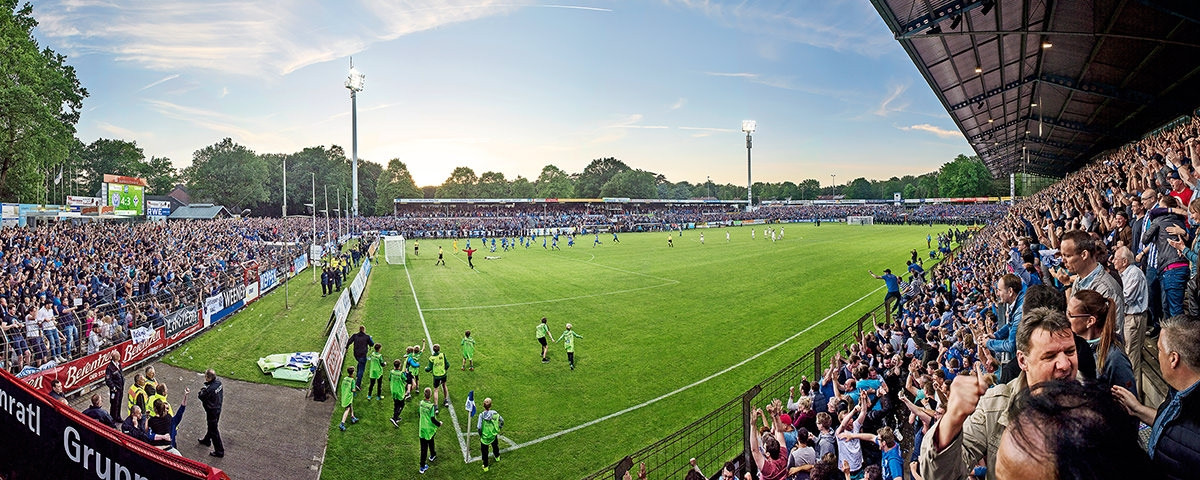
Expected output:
(976, 416)
(1179, 189)
(1175, 434)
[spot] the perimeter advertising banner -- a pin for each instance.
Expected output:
(47, 439)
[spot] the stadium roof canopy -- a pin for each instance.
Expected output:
(1061, 80)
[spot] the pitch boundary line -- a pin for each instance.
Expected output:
(553, 300)
(680, 389)
(462, 443)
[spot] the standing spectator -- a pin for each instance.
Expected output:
(115, 380)
(428, 427)
(1011, 298)
(96, 412)
(212, 396)
(1064, 429)
(1081, 256)
(1091, 317)
(769, 454)
(1176, 423)
(361, 343)
(891, 466)
(826, 440)
(1133, 286)
(1171, 266)
(893, 289)
(971, 429)
(489, 425)
(803, 457)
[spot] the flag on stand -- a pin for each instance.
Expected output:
(470, 406)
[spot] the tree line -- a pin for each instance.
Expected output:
(41, 160)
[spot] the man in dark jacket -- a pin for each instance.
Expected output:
(1171, 266)
(115, 381)
(212, 396)
(1174, 443)
(362, 343)
(97, 412)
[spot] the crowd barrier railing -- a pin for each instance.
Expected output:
(724, 433)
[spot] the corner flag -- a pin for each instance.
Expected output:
(470, 406)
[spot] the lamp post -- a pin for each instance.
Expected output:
(833, 183)
(285, 188)
(748, 127)
(355, 83)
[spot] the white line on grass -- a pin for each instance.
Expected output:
(683, 388)
(462, 442)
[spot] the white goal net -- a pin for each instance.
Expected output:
(393, 250)
(860, 220)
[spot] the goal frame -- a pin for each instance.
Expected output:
(393, 249)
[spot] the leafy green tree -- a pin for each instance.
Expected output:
(462, 183)
(493, 185)
(809, 189)
(395, 182)
(910, 191)
(597, 174)
(521, 187)
(368, 179)
(228, 174)
(964, 177)
(107, 156)
(631, 184)
(554, 183)
(40, 102)
(161, 175)
(860, 188)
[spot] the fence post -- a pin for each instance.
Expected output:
(748, 427)
(818, 364)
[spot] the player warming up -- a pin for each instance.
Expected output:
(543, 332)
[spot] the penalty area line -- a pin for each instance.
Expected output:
(683, 388)
(462, 442)
(553, 300)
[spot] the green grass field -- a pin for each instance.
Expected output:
(653, 319)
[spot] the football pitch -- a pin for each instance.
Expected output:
(668, 334)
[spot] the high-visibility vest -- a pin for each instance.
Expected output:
(135, 392)
(150, 404)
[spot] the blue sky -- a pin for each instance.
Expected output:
(512, 86)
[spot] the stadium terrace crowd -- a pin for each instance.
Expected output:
(1020, 355)
(72, 289)
(423, 221)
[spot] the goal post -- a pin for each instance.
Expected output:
(860, 220)
(393, 249)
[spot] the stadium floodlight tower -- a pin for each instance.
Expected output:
(748, 127)
(355, 83)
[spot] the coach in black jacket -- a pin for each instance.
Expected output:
(115, 380)
(211, 396)
(1175, 438)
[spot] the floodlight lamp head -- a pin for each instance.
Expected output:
(748, 126)
(355, 81)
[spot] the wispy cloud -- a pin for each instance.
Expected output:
(159, 82)
(819, 24)
(787, 83)
(936, 130)
(224, 92)
(892, 102)
(249, 38)
(631, 121)
(702, 132)
(121, 132)
(679, 103)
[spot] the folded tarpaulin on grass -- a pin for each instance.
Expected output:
(298, 361)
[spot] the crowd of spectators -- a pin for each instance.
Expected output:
(422, 220)
(73, 289)
(1020, 355)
